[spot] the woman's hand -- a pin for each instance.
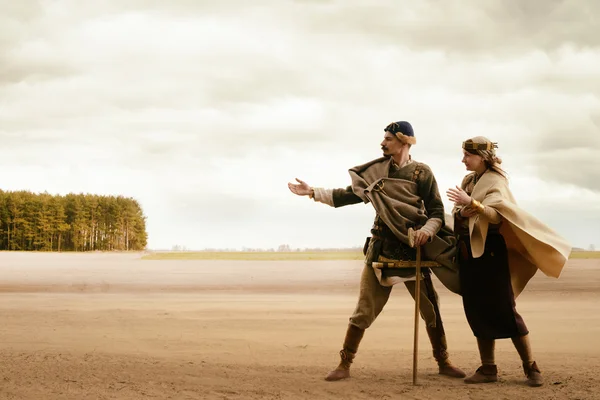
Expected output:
(458, 196)
(468, 212)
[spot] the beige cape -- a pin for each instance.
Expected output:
(531, 244)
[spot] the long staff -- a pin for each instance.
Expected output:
(417, 305)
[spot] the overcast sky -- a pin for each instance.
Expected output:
(204, 110)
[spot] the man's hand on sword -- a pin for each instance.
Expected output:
(421, 238)
(417, 238)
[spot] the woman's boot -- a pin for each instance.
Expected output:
(532, 372)
(488, 371)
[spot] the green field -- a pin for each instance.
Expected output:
(295, 255)
(258, 256)
(585, 254)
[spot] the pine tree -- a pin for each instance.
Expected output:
(75, 222)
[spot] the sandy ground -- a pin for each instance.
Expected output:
(112, 326)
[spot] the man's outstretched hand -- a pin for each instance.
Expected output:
(301, 188)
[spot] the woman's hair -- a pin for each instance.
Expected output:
(485, 148)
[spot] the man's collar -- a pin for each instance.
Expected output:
(396, 166)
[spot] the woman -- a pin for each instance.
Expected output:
(500, 249)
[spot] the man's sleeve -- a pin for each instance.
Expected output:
(428, 190)
(429, 193)
(336, 197)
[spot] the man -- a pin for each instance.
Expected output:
(405, 195)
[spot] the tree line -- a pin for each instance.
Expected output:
(73, 222)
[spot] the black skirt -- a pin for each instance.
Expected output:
(487, 292)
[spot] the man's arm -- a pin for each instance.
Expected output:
(336, 197)
(429, 193)
(331, 197)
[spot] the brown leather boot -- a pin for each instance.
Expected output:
(533, 374)
(523, 346)
(353, 337)
(437, 335)
(342, 371)
(484, 374)
(440, 352)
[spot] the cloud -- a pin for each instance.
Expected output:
(25, 52)
(578, 167)
(464, 27)
(568, 150)
(202, 107)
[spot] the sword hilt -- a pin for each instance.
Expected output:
(411, 237)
